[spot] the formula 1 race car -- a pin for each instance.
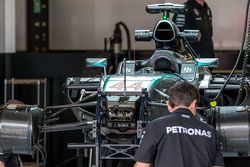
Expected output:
(113, 109)
(136, 93)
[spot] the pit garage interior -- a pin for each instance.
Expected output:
(45, 43)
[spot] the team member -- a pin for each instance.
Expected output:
(198, 17)
(179, 139)
(8, 160)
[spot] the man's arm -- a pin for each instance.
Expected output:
(140, 164)
(218, 159)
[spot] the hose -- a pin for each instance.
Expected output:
(243, 83)
(128, 38)
(116, 46)
(238, 58)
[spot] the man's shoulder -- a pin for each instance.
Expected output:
(206, 125)
(164, 119)
(189, 4)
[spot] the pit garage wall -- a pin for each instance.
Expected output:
(83, 24)
(79, 24)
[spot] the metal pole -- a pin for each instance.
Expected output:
(45, 93)
(45, 105)
(90, 157)
(37, 159)
(79, 158)
(12, 89)
(97, 143)
(5, 90)
(124, 75)
(98, 128)
(38, 92)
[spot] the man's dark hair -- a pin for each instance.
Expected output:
(183, 93)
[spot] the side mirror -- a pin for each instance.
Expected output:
(207, 62)
(96, 62)
(190, 35)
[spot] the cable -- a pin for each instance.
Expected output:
(243, 84)
(239, 56)
(191, 50)
(193, 53)
(128, 38)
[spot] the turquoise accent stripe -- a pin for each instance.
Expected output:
(105, 82)
(92, 62)
(159, 78)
